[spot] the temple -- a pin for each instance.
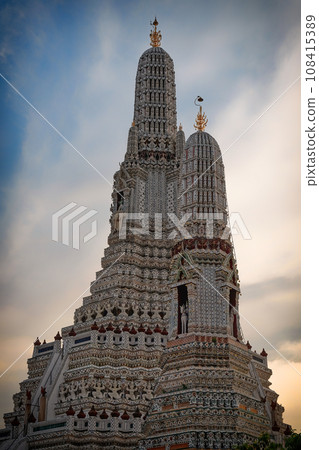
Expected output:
(156, 358)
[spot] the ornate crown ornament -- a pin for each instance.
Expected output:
(201, 120)
(155, 35)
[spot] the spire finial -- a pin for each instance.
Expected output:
(201, 119)
(155, 35)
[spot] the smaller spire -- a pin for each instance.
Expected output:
(115, 412)
(57, 337)
(155, 35)
(126, 327)
(81, 414)
(70, 411)
(125, 416)
(92, 412)
(37, 342)
(110, 327)
(201, 119)
(104, 414)
(137, 413)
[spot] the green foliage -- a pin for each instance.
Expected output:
(292, 442)
(244, 447)
(262, 443)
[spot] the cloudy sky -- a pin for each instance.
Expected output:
(76, 61)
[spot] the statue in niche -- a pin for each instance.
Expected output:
(182, 325)
(184, 318)
(116, 219)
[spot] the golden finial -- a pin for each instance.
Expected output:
(155, 35)
(180, 127)
(133, 123)
(201, 119)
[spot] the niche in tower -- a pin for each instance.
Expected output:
(182, 323)
(232, 305)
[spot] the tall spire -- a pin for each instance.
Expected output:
(155, 35)
(155, 99)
